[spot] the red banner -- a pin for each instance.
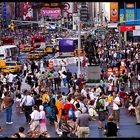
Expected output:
(127, 28)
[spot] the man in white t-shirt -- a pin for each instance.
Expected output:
(83, 91)
(116, 108)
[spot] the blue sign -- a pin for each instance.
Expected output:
(130, 15)
(121, 16)
(138, 16)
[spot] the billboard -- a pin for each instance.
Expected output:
(114, 12)
(54, 13)
(137, 16)
(127, 28)
(27, 11)
(130, 13)
(121, 15)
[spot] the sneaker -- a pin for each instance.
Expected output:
(58, 132)
(10, 122)
(7, 122)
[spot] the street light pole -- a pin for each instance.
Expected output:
(79, 44)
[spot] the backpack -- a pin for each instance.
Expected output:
(71, 113)
(48, 111)
(98, 104)
(77, 82)
(55, 110)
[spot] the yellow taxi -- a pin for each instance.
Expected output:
(35, 55)
(81, 51)
(27, 49)
(2, 64)
(56, 47)
(49, 49)
(12, 67)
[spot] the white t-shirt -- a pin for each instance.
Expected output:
(83, 91)
(77, 113)
(138, 76)
(115, 106)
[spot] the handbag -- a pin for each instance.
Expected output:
(23, 106)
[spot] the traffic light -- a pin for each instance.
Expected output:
(12, 26)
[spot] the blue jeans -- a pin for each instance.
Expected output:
(64, 81)
(8, 114)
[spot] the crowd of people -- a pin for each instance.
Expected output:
(70, 113)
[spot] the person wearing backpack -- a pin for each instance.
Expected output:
(116, 108)
(100, 105)
(69, 111)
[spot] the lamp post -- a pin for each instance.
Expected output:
(79, 44)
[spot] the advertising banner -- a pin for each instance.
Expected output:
(130, 15)
(54, 13)
(137, 17)
(121, 15)
(27, 11)
(114, 12)
(127, 28)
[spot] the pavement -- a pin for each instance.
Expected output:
(128, 127)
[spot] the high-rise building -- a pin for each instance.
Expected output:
(84, 12)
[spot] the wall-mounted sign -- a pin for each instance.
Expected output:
(51, 12)
(127, 28)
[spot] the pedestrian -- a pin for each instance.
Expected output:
(7, 105)
(60, 107)
(83, 122)
(27, 103)
(21, 132)
(35, 118)
(100, 106)
(111, 128)
(137, 109)
(42, 121)
(116, 108)
(17, 104)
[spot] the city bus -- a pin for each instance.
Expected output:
(9, 52)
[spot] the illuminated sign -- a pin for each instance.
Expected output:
(52, 12)
(127, 28)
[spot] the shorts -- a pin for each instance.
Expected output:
(116, 115)
(101, 116)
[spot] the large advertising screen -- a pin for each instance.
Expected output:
(121, 15)
(130, 13)
(114, 12)
(137, 16)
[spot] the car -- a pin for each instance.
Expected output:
(12, 67)
(81, 52)
(27, 49)
(35, 55)
(49, 49)
(56, 47)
